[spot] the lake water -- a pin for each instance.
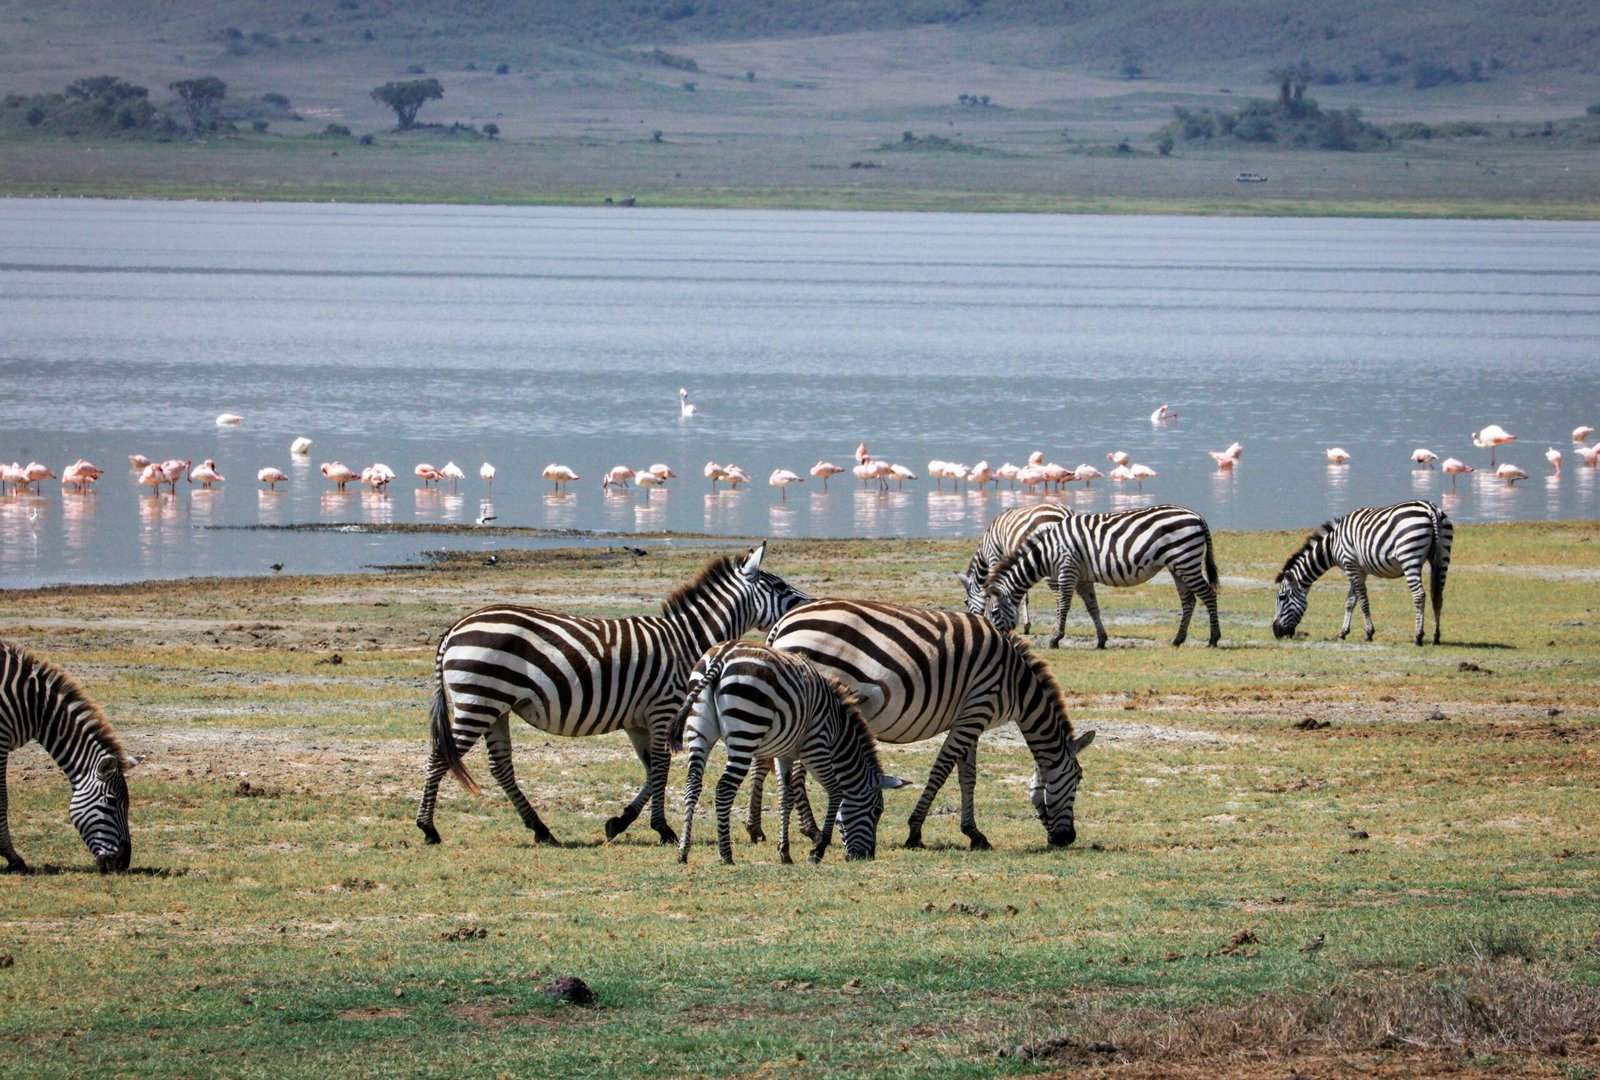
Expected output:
(524, 336)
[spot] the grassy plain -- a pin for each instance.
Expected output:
(283, 917)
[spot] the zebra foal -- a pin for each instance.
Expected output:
(571, 675)
(1376, 541)
(770, 704)
(1009, 530)
(920, 672)
(1121, 549)
(39, 701)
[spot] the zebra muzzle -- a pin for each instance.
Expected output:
(117, 860)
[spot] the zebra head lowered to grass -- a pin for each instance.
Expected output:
(40, 701)
(920, 672)
(573, 675)
(1377, 541)
(770, 704)
(1005, 534)
(1122, 550)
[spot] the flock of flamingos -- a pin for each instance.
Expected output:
(1033, 476)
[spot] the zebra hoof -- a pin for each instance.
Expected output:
(1055, 641)
(429, 833)
(16, 866)
(544, 836)
(810, 832)
(666, 834)
(914, 841)
(618, 825)
(756, 835)
(683, 857)
(815, 856)
(727, 860)
(979, 841)
(783, 857)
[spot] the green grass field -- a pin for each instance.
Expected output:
(283, 917)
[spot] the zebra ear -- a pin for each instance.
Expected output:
(108, 767)
(752, 565)
(1082, 741)
(889, 783)
(966, 582)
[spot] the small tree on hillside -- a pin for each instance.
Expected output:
(1292, 81)
(405, 98)
(201, 98)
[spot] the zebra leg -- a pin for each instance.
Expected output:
(956, 745)
(802, 801)
(785, 771)
(967, 776)
(466, 735)
(1092, 603)
(1349, 606)
(1414, 580)
(1186, 607)
(1438, 590)
(1366, 610)
(14, 863)
(1022, 609)
(660, 765)
(498, 740)
(617, 825)
(727, 791)
(1208, 597)
(826, 837)
(1068, 585)
(758, 779)
(691, 796)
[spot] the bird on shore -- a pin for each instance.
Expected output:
(782, 478)
(1314, 944)
(1491, 436)
(276, 567)
(485, 518)
(272, 477)
(1424, 457)
(486, 473)
(823, 470)
(229, 419)
(1453, 468)
(685, 410)
(492, 560)
(1510, 473)
(559, 475)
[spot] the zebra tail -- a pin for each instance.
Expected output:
(1211, 562)
(444, 741)
(705, 686)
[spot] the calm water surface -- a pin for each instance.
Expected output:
(528, 336)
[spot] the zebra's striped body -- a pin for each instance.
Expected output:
(918, 672)
(1121, 550)
(1008, 531)
(38, 701)
(571, 675)
(771, 704)
(1376, 541)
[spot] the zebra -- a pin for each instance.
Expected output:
(1006, 533)
(920, 672)
(571, 675)
(1122, 549)
(40, 701)
(1383, 541)
(773, 704)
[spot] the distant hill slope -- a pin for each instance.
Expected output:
(1164, 39)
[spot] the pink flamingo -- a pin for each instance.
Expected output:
(1088, 474)
(1510, 473)
(661, 472)
(1162, 415)
(1581, 433)
(172, 469)
(862, 457)
(824, 469)
(1059, 475)
(1589, 454)
(137, 461)
(229, 419)
(1141, 473)
(1453, 468)
(152, 477)
(1227, 459)
(981, 474)
(1118, 457)
(1031, 476)
(782, 478)
(206, 473)
(426, 473)
(36, 474)
(617, 477)
(1338, 455)
(272, 477)
(1007, 471)
(80, 475)
(1553, 456)
(736, 476)
(340, 473)
(486, 474)
(901, 474)
(453, 473)
(1424, 457)
(559, 475)
(715, 472)
(1119, 473)
(1490, 437)
(301, 445)
(13, 476)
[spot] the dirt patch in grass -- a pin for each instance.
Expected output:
(373, 1012)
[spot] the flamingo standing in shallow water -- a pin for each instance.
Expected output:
(206, 472)
(735, 476)
(172, 469)
(1581, 433)
(1162, 415)
(647, 480)
(229, 419)
(453, 473)
(1424, 457)
(1118, 457)
(618, 478)
(1553, 456)
(1007, 471)
(981, 474)
(80, 475)
(823, 470)
(1087, 473)
(715, 472)
(901, 474)
(559, 475)
(1141, 473)
(1227, 459)
(1510, 473)
(685, 410)
(152, 477)
(302, 445)
(36, 474)
(426, 473)
(137, 461)
(1453, 468)
(782, 478)
(1490, 437)
(486, 474)
(662, 472)
(272, 477)
(340, 473)
(1338, 455)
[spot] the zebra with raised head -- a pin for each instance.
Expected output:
(573, 675)
(919, 672)
(770, 704)
(1122, 549)
(40, 701)
(1005, 534)
(1377, 541)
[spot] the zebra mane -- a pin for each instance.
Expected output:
(1009, 560)
(677, 601)
(850, 702)
(1041, 671)
(95, 724)
(1321, 531)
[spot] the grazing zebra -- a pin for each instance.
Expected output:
(1383, 541)
(1005, 534)
(40, 701)
(571, 675)
(772, 704)
(1121, 549)
(918, 672)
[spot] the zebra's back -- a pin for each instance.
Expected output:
(1130, 547)
(1385, 541)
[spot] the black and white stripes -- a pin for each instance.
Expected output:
(1387, 541)
(1009, 530)
(1121, 550)
(571, 675)
(38, 701)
